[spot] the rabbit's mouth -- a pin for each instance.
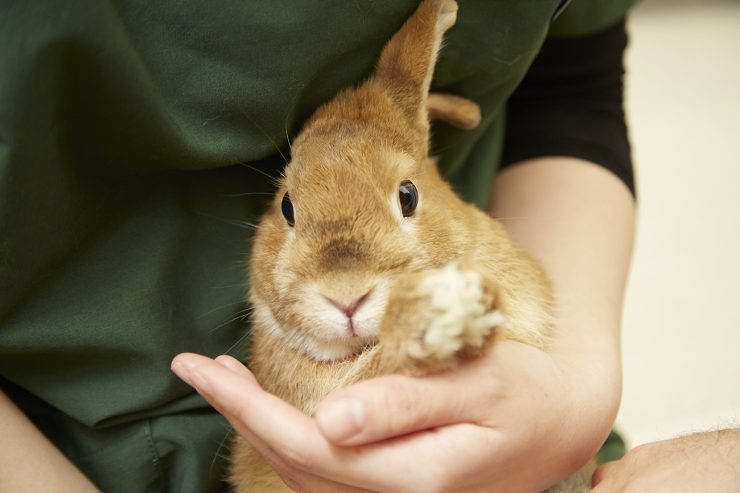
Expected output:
(336, 324)
(305, 342)
(327, 326)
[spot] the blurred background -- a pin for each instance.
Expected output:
(681, 330)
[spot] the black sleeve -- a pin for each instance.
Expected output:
(570, 104)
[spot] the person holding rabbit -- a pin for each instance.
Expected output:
(327, 244)
(136, 140)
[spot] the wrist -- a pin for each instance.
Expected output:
(591, 394)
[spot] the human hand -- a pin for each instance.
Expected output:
(701, 462)
(503, 422)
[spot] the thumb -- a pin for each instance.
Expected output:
(389, 406)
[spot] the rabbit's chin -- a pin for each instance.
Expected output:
(334, 343)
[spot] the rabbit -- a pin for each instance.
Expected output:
(366, 262)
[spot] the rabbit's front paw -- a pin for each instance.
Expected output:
(437, 315)
(462, 314)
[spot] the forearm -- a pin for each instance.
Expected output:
(707, 461)
(577, 219)
(29, 462)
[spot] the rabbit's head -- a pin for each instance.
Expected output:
(360, 202)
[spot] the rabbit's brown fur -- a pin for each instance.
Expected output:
(350, 242)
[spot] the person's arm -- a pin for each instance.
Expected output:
(707, 461)
(29, 462)
(578, 219)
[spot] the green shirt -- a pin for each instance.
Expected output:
(134, 139)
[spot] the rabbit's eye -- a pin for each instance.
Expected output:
(409, 197)
(287, 207)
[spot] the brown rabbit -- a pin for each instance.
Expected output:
(367, 263)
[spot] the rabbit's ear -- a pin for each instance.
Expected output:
(459, 112)
(407, 61)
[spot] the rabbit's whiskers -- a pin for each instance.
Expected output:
(241, 316)
(221, 445)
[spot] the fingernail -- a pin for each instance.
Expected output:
(200, 383)
(181, 371)
(342, 418)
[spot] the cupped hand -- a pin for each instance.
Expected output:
(512, 421)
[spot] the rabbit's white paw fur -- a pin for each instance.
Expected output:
(460, 315)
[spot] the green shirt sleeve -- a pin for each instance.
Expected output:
(583, 17)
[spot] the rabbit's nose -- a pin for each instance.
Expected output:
(349, 309)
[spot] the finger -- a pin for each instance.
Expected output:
(288, 438)
(233, 390)
(184, 362)
(234, 365)
(603, 488)
(395, 405)
(449, 458)
(299, 448)
(392, 405)
(294, 445)
(309, 482)
(296, 479)
(601, 473)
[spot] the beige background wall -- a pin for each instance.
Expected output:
(682, 316)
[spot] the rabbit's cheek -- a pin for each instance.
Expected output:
(282, 274)
(262, 315)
